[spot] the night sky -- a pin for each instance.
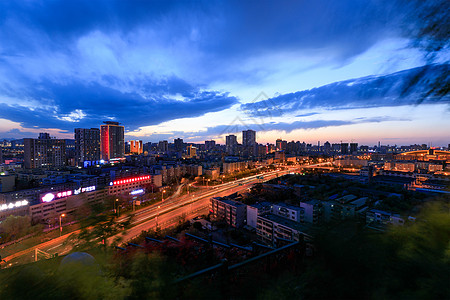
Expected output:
(300, 70)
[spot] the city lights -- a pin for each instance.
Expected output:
(129, 180)
(13, 205)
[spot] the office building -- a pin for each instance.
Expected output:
(353, 148)
(191, 151)
(1, 155)
(230, 142)
(112, 140)
(136, 147)
(163, 146)
(87, 145)
(344, 148)
(44, 152)
(178, 143)
(209, 145)
(248, 138)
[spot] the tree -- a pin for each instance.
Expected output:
(14, 227)
(100, 229)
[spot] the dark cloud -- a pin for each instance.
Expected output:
(414, 86)
(43, 61)
(97, 103)
(226, 29)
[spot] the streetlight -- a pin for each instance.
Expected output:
(188, 188)
(223, 176)
(157, 215)
(162, 195)
(114, 202)
(60, 225)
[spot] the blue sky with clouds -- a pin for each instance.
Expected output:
(301, 70)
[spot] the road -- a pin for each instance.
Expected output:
(163, 214)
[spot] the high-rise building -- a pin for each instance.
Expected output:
(281, 145)
(278, 144)
(248, 138)
(344, 148)
(327, 147)
(163, 146)
(353, 148)
(112, 140)
(230, 142)
(178, 143)
(136, 147)
(44, 152)
(87, 145)
(209, 145)
(1, 155)
(191, 151)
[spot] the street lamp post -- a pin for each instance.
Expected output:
(188, 188)
(114, 203)
(157, 215)
(60, 225)
(223, 176)
(162, 195)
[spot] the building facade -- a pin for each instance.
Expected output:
(44, 152)
(112, 140)
(234, 213)
(136, 147)
(248, 138)
(87, 145)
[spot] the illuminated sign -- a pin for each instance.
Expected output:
(64, 194)
(52, 196)
(137, 192)
(130, 180)
(84, 190)
(48, 197)
(13, 205)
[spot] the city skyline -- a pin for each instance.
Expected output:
(203, 70)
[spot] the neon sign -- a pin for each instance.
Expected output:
(48, 197)
(13, 205)
(137, 192)
(52, 196)
(64, 194)
(130, 180)
(84, 190)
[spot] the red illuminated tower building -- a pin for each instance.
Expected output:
(112, 140)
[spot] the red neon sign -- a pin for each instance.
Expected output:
(136, 179)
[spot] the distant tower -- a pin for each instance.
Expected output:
(353, 148)
(344, 148)
(136, 147)
(178, 144)
(230, 142)
(248, 138)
